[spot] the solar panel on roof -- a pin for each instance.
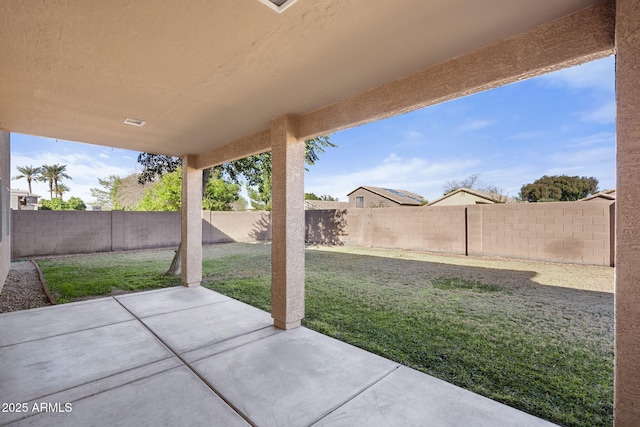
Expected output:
(401, 194)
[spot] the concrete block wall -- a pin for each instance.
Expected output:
(436, 229)
(571, 232)
(59, 232)
(142, 230)
(38, 233)
(220, 227)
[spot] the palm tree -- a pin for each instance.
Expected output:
(57, 173)
(62, 188)
(47, 172)
(28, 172)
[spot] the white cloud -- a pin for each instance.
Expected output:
(413, 134)
(473, 124)
(528, 135)
(601, 138)
(604, 114)
(82, 168)
(415, 174)
(593, 160)
(104, 156)
(598, 75)
(585, 158)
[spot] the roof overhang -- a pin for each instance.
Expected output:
(207, 77)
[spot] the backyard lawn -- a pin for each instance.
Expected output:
(536, 336)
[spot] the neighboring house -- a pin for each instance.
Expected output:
(310, 205)
(22, 200)
(377, 197)
(467, 196)
(603, 196)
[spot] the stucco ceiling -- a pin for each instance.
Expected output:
(203, 73)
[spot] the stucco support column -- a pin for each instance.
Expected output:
(5, 211)
(191, 255)
(627, 277)
(287, 224)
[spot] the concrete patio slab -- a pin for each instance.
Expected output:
(38, 368)
(27, 325)
(229, 344)
(407, 397)
(169, 300)
(221, 363)
(172, 398)
(293, 378)
(83, 391)
(197, 327)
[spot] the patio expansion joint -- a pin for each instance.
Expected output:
(355, 395)
(67, 333)
(78, 387)
(174, 311)
(188, 366)
(232, 347)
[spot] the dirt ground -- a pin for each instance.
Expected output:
(585, 291)
(22, 289)
(502, 271)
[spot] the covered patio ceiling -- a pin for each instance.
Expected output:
(203, 74)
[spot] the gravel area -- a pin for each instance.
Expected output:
(22, 289)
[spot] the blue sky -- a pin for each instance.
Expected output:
(560, 123)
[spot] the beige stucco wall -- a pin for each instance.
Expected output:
(219, 227)
(572, 232)
(371, 200)
(438, 229)
(627, 288)
(37, 233)
(5, 228)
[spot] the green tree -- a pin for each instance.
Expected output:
(311, 196)
(559, 188)
(260, 195)
(62, 188)
(165, 195)
(28, 172)
(324, 197)
(57, 174)
(57, 204)
(250, 168)
(53, 175)
(75, 204)
(54, 204)
(256, 171)
(47, 173)
(219, 195)
(107, 195)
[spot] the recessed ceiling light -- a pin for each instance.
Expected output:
(134, 122)
(278, 5)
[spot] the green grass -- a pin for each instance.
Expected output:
(74, 278)
(537, 348)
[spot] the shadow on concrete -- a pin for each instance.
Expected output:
(325, 227)
(261, 229)
(212, 234)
